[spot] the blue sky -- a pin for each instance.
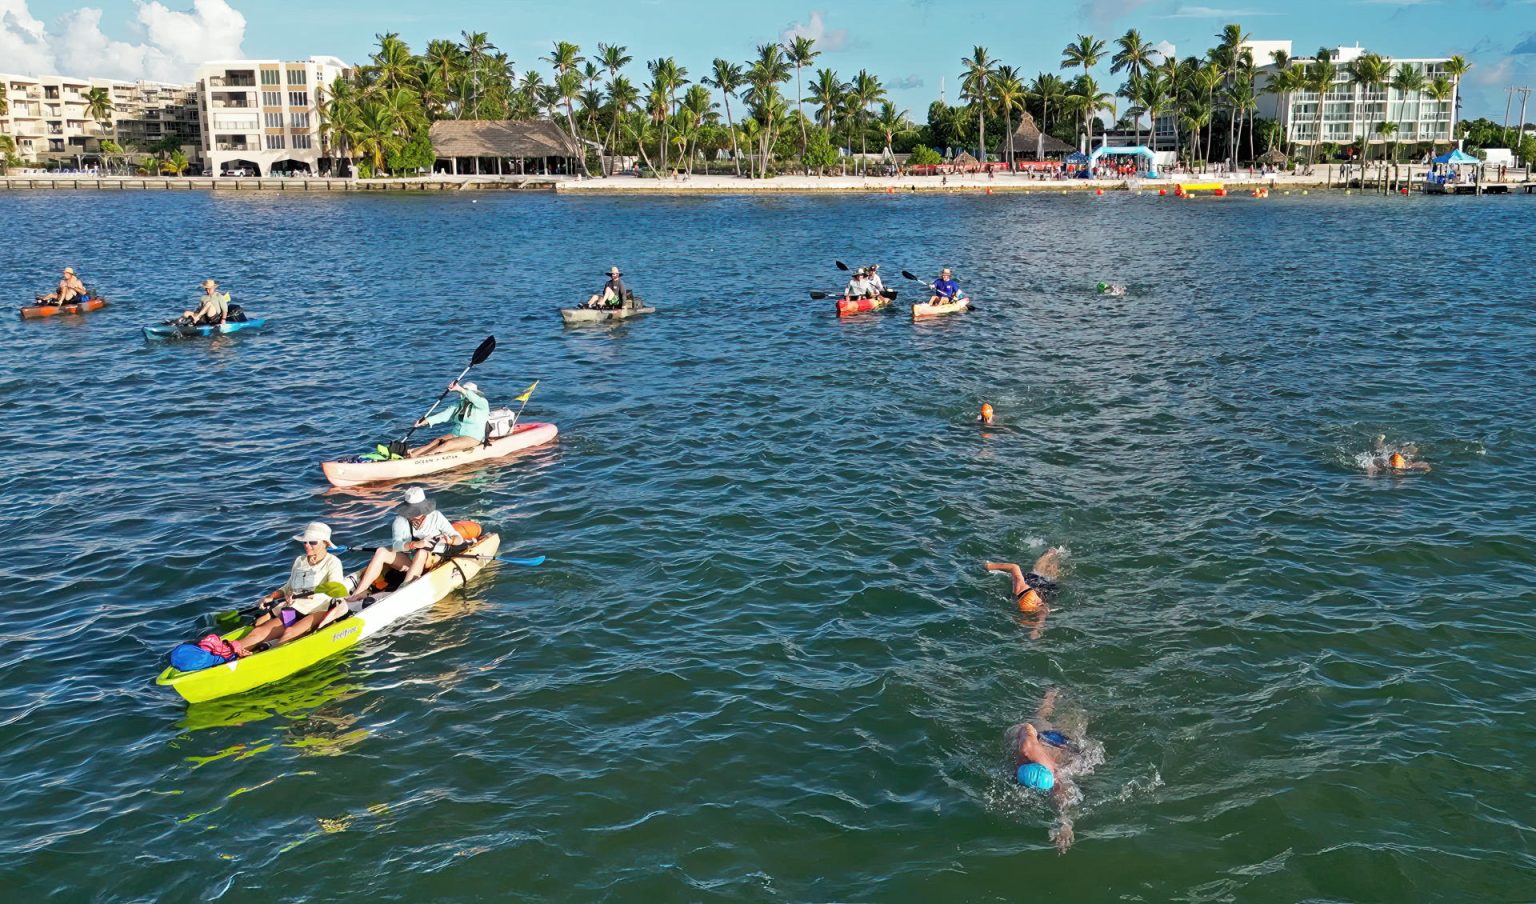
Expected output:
(910, 44)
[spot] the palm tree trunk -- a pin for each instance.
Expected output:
(800, 108)
(735, 149)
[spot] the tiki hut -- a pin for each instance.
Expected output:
(965, 163)
(1029, 141)
(503, 146)
(1273, 157)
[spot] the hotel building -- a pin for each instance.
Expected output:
(1351, 111)
(262, 116)
(48, 117)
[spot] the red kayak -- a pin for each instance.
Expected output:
(846, 306)
(54, 310)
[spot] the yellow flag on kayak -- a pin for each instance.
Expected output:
(527, 393)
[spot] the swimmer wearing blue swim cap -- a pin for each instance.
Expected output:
(1036, 776)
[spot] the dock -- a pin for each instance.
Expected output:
(257, 183)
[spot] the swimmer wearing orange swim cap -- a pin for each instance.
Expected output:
(1397, 461)
(986, 414)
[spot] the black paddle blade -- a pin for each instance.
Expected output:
(908, 275)
(841, 265)
(889, 293)
(484, 351)
(818, 295)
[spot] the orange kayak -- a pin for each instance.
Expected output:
(846, 306)
(53, 310)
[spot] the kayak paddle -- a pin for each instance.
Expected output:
(482, 352)
(841, 266)
(530, 563)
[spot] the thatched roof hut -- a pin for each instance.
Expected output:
(1273, 157)
(501, 138)
(1028, 140)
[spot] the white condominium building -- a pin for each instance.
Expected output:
(1351, 111)
(50, 118)
(263, 116)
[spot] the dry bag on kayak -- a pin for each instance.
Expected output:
(189, 657)
(499, 423)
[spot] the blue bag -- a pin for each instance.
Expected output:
(189, 657)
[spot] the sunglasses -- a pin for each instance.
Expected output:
(314, 542)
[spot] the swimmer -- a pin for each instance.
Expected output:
(1031, 589)
(1045, 759)
(1111, 289)
(1398, 462)
(985, 418)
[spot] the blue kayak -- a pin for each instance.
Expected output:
(179, 331)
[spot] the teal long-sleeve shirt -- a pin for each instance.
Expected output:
(468, 418)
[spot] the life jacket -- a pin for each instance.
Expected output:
(469, 530)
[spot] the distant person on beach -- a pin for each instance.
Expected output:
(1032, 590)
(612, 293)
(945, 289)
(1045, 759)
(1400, 461)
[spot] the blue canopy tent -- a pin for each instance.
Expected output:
(1136, 151)
(1077, 157)
(1456, 156)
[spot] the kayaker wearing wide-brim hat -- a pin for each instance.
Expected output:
(466, 420)
(419, 530)
(945, 289)
(313, 590)
(612, 294)
(859, 286)
(70, 289)
(213, 306)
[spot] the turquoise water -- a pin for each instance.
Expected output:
(763, 661)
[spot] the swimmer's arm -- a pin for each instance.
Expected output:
(1014, 571)
(1038, 627)
(1048, 705)
(1419, 466)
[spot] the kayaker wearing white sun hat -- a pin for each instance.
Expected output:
(418, 530)
(314, 584)
(466, 422)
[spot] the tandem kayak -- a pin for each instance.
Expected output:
(846, 306)
(183, 331)
(354, 472)
(602, 315)
(54, 310)
(253, 671)
(920, 311)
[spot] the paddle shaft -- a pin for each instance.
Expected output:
(482, 352)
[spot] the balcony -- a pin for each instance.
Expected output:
(231, 146)
(232, 105)
(232, 81)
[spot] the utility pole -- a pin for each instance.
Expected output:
(1525, 96)
(1509, 99)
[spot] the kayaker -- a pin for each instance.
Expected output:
(309, 599)
(1045, 759)
(70, 289)
(213, 306)
(945, 289)
(858, 286)
(612, 294)
(466, 422)
(876, 284)
(419, 530)
(1032, 589)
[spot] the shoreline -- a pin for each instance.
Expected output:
(1328, 178)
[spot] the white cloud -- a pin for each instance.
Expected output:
(907, 83)
(816, 29)
(1210, 12)
(23, 42)
(1164, 50)
(173, 42)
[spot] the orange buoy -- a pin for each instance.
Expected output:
(989, 191)
(1220, 192)
(1098, 191)
(890, 191)
(1162, 192)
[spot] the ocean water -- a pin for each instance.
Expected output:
(763, 661)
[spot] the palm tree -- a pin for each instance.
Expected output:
(339, 118)
(1408, 81)
(1087, 101)
(393, 66)
(1455, 68)
(1368, 73)
(5, 106)
(1240, 100)
(801, 52)
(98, 106)
(566, 59)
(1442, 90)
(1086, 52)
(1008, 91)
(614, 57)
(829, 93)
(475, 49)
(1152, 97)
(766, 73)
(865, 90)
(1134, 57)
(1321, 74)
(667, 77)
(1045, 88)
(175, 164)
(978, 68)
(891, 122)
(726, 77)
